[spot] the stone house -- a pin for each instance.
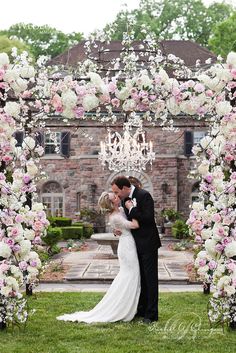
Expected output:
(75, 176)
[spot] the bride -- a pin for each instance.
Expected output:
(121, 300)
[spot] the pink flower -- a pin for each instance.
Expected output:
(23, 265)
(212, 264)
(199, 88)
(79, 112)
(202, 262)
(33, 263)
(112, 87)
(2, 72)
(233, 73)
(209, 93)
(216, 217)
(115, 102)
(19, 218)
(26, 178)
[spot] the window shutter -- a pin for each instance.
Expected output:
(19, 136)
(65, 144)
(188, 143)
(39, 138)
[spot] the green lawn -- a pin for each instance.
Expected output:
(183, 327)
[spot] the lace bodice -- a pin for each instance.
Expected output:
(119, 221)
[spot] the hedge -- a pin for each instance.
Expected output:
(72, 232)
(60, 221)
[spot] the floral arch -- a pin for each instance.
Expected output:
(29, 95)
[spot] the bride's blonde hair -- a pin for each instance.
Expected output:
(105, 204)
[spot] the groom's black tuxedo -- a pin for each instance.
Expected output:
(147, 242)
(146, 236)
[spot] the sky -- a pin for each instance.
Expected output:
(69, 15)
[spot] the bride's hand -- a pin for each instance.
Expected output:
(129, 204)
(117, 232)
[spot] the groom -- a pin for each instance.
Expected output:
(138, 204)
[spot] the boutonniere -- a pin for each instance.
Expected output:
(134, 202)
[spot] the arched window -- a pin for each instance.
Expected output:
(52, 198)
(195, 192)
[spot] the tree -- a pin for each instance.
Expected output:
(223, 39)
(178, 19)
(7, 44)
(43, 40)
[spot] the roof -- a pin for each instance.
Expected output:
(187, 50)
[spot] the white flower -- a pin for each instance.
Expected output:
(231, 59)
(90, 102)
(25, 247)
(5, 250)
(230, 249)
(12, 109)
(205, 142)
(69, 99)
(32, 169)
(29, 234)
(164, 77)
(230, 290)
(28, 143)
(6, 290)
(134, 202)
(203, 168)
(37, 206)
(19, 85)
(223, 108)
(206, 233)
(172, 106)
(27, 71)
(144, 81)
(123, 93)
(95, 79)
(129, 104)
(210, 245)
(4, 60)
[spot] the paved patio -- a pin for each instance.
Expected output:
(98, 264)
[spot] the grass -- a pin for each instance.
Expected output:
(182, 327)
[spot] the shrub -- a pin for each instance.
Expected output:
(60, 221)
(170, 214)
(53, 236)
(180, 229)
(72, 232)
(88, 230)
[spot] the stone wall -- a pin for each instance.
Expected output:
(83, 178)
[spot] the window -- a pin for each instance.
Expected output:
(52, 142)
(192, 138)
(195, 192)
(52, 198)
(198, 135)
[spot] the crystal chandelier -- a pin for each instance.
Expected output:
(127, 152)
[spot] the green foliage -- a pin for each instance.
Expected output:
(60, 221)
(223, 39)
(72, 232)
(53, 236)
(7, 44)
(43, 255)
(180, 229)
(184, 19)
(170, 214)
(88, 230)
(183, 327)
(43, 40)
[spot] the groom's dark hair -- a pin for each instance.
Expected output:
(121, 181)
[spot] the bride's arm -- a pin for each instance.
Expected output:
(131, 224)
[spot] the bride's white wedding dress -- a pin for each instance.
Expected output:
(121, 300)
